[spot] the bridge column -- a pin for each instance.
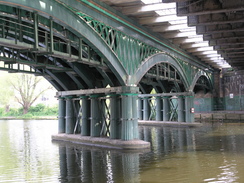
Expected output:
(115, 116)
(166, 108)
(139, 112)
(189, 104)
(96, 124)
(135, 113)
(85, 121)
(159, 109)
(61, 115)
(145, 109)
(70, 121)
(181, 115)
(129, 114)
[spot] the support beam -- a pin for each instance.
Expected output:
(51, 36)
(61, 115)
(85, 121)
(36, 41)
(129, 114)
(70, 122)
(115, 125)
(159, 116)
(145, 109)
(96, 124)
(189, 104)
(140, 113)
(127, 117)
(166, 108)
(181, 115)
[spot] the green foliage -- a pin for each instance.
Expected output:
(1, 111)
(14, 112)
(28, 115)
(6, 91)
(38, 110)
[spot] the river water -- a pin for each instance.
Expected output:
(211, 153)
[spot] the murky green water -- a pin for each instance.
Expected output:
(190, 155)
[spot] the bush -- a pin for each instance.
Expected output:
(38, 110)
(2, 111)
(28, 115)
(14, 112)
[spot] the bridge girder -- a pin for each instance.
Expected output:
(125, 56)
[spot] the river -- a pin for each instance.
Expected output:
(211, 153)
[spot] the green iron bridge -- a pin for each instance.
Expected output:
(109, 71)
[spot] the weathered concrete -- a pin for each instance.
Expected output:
(102, 142)
(168, 123)
(222, 116)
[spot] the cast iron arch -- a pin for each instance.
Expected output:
(63, 16)
(197, 76)
(156, 59)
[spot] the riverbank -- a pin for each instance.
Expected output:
(28, 118)
(220, 116)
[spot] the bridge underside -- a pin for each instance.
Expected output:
(106, 79)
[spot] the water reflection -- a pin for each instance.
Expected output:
(212, 153)
(84, 164)
(26, 152)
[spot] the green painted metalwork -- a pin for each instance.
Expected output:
(140, 112)
(131, 52)
(166, 109)
(61, 115)
(69, 118)
(85, 121)
(127, 118)
(180, 110)
(159, 112)
(138, 53)
(189, 104)
(96, 123)
(146, 108)
(115, 116)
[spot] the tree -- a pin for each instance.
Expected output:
(27, 90)
(6, 91)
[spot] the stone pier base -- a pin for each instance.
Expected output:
(102, 142)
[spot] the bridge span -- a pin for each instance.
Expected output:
(109, 71)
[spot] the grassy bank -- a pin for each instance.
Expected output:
(39, 111)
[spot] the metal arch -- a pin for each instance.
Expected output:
(72, 22)
(197, 76)
(155, 59)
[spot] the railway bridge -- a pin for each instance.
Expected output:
(109, 70)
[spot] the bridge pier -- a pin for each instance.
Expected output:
(110, 113)
(168, 107)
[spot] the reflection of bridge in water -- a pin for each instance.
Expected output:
(99, 64)
(184, 154)
(87, 164)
